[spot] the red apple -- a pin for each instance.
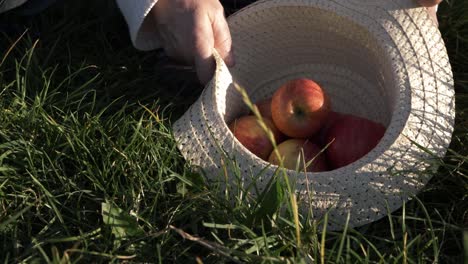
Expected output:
(264, 107)
(299, 108)
(248, 131)
(291, 149)
(353, 138)
(332, 117)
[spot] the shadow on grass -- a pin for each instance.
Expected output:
(72, 34)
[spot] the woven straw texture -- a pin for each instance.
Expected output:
(380, 59)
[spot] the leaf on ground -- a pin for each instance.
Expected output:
(270, 202)
(122, 224)
(192, 182)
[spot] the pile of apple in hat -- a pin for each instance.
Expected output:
(308, 133)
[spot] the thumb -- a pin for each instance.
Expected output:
(222, 39)
(203, 49)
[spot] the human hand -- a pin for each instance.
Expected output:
(190, 29)
(431, 6)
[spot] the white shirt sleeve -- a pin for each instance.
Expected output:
(141, 26)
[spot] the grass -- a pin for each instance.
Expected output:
(89, 170)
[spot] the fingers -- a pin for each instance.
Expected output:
(168, 42)
(211, 32)
(203, 41)
(433, 14)
(222, 39)
(429, 3)
(189, 30)
(431, 6)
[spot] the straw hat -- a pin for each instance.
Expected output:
(381, 59)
